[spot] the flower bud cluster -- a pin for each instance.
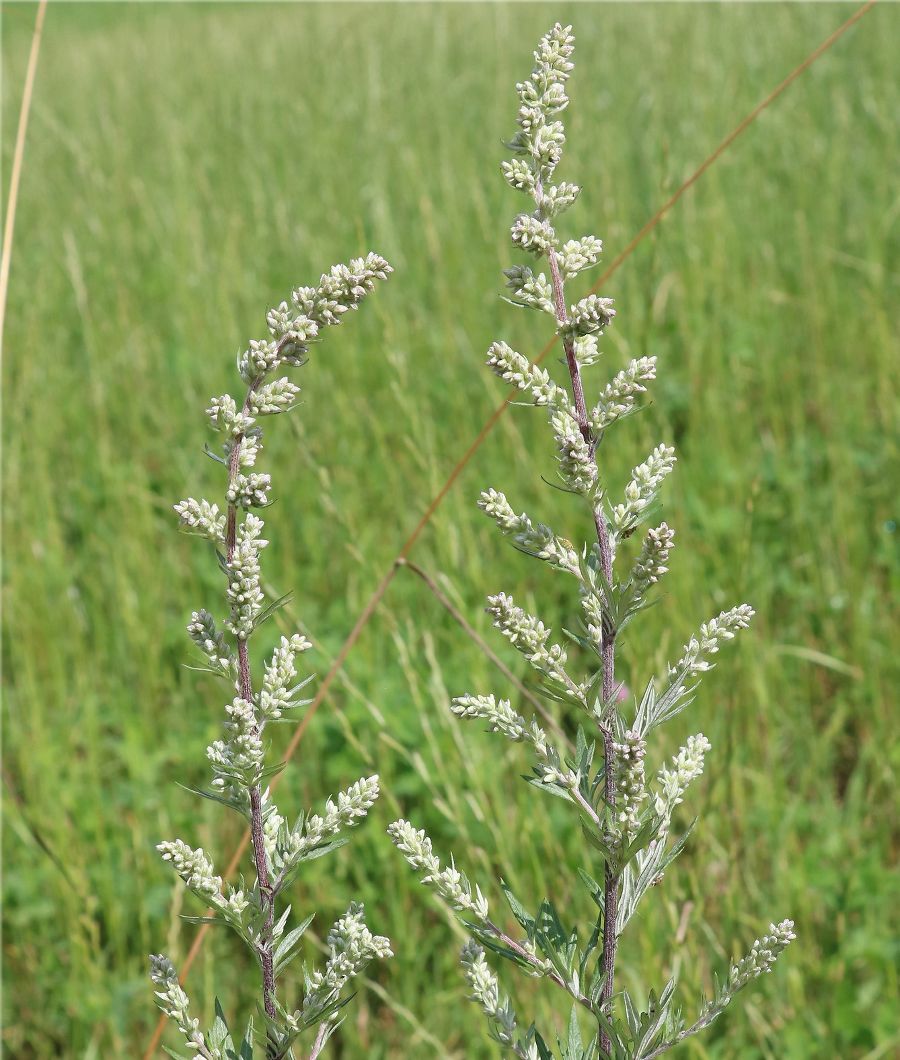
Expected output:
(618, 397)
(588, 317)
(538, 540)
(528, 635)
(261, 357)
(274, 397)
(501, 718)
(541, 97)
(450, 884)
(237, 760)
(249, 446)
(244, 593)
(578, 254)
(194, 867)
(351, 805)
(517, 370)
(250, 491)
(687, 765)
(351, 947)
(288, 847)
(592, 605)
(577, 466)
(641, 491)
(292, 331)
(587, 350)
(533, 235)
(763, 955)
(552, 199)
(277, 691)
(721, 628)
(224, 415)
(530, 290)
(174, 1002)
(201, 517)
(630, 754)
(341, 289)
(295, 327)
(484, 990)
(202, 631)
(650, 565)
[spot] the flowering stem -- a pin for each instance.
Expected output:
(610, 884)
(245, 689)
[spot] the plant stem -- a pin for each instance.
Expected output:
(610, 884)
(536, 963)
(245, 690)
(319, 1043)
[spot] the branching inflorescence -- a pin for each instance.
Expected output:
(238, 759)
(625, 818)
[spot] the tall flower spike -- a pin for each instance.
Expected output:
(603, 779)
(238, 758)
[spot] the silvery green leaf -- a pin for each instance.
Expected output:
(287, 948)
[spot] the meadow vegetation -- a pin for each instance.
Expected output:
(187, 164)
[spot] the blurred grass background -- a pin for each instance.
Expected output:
(186, 166)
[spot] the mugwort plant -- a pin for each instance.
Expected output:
(624, 813)
(238, 760)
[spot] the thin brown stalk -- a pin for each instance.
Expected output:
(15, 175)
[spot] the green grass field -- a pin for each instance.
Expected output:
(186, 166)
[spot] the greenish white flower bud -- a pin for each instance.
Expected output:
(501, 718)
(529, 290)
(249, 447)
(313, 831)
(450, 884)
(250, 491)
(260, 358)
(244, 592)
(238, 760)
(553, 199)
(589, 316)
(518, 174)
(641, 491)
(579, 254)
(290, 329)
(576, 462)
(618, 397)
(528, 635)
(536, 539)
(651, 563)
(174, 1002)
(587, 350)
(533, 235)
(762, 956)
(224, 415)
(341, 289)
(485, 991)
(351, 947)
(202, 631)
(277, 693)
(517, 370)
(687, 765)
(201, 517)
(721, 628)
(277, 396)
(194, 867)
(630, 754)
